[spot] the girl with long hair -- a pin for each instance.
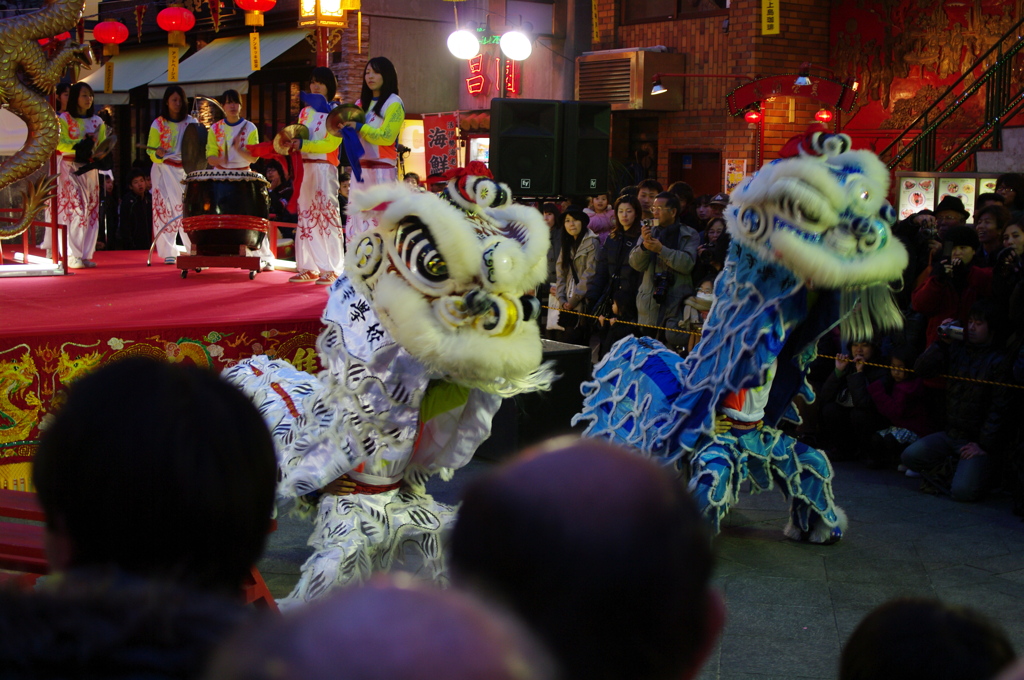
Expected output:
(613, 293)
(167, 174)
(319, 245)
(384, 115)
(78, 196)
(577, 263)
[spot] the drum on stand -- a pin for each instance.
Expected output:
(225, 214)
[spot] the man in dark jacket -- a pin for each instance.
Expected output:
(135, 222)
(975, 410)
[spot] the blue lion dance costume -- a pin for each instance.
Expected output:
(811, 249)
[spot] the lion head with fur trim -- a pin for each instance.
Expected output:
(451, 277)
(821, 213)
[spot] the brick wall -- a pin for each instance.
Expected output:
(704, 122)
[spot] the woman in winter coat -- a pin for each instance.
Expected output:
(612, 294)
(577, 263)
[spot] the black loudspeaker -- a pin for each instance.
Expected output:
(530, 418)
(526, 145)
(586, 129)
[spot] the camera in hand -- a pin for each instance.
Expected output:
(926, 234)
(661, 283)
(950, 331)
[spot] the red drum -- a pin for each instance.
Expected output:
(226, 209)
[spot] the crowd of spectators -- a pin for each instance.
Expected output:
(651, 273)
(152, 525)
(937, 399)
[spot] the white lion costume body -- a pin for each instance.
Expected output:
(428, 329)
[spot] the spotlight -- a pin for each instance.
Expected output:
(463, 44)
(658, 88)
(515, 45)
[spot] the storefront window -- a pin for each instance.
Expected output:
(636, 11)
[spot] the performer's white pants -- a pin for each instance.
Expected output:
(168, 190)
(318, 235)
(78, 205)
(367, 220)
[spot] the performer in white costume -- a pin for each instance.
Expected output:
(226, 149)
(385, 113)
(319, 249)
(167, 174)
(427, 330)
(78, 196)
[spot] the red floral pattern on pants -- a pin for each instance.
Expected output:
(321, 216)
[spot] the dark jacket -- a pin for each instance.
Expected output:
(135, 222)
(851, 388)
(974, 411)
(614, 277)
(115, 629)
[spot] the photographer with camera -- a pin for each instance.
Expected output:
(954, 283)
(975, 410)
(665, 255)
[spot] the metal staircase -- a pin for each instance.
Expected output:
(938, 132)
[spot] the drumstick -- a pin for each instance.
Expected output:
(147, 148)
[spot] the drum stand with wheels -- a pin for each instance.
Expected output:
(241, 261)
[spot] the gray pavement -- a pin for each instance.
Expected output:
(791, 606)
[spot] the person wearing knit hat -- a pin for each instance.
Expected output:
(955, 283)
(950, 212)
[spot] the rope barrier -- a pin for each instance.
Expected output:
(820, 356)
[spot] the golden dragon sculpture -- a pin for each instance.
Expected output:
(27, 75)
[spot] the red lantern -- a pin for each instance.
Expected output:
(823, 115)
(175, 20)
(111, 34)
(752, 116)
(254, 10)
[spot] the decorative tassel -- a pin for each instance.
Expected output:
(140, 12)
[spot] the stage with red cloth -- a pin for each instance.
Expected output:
(56, 328)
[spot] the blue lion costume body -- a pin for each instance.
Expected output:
(811, 249)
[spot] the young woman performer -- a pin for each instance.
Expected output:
(167, 174)
(78, 196)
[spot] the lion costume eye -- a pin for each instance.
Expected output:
(418, 252)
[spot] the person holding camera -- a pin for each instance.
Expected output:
(665, 255)
(954, 284)
(975, 407)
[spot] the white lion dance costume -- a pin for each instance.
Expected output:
(811, 248)
(429, 328)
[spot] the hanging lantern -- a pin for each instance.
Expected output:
(254, 10)
(111, 34)
(752, 116)
(823, 115)
(176, 20)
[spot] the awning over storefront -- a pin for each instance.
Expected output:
(224, 64)
(131, 69)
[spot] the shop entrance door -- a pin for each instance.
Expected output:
(702, 170)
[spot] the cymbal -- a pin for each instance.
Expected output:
(212, 102)
(104, 147)
(342, 114)
(193, 148)
(283, 140)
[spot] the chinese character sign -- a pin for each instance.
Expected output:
(770, 17)
(442, 149)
